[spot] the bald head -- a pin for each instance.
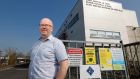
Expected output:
(46, 20)
(46, 27)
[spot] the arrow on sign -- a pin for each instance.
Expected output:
(90, 71)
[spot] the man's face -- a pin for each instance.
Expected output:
(46, 27)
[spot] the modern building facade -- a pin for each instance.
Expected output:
(98, 21)
(101, 21)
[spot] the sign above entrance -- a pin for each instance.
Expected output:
(104, 4)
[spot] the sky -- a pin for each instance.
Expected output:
(19, 19)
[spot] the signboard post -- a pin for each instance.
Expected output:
(105, 59)
(118, 59)
(90, 57)
(75, 56)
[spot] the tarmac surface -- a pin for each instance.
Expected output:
(17, 72)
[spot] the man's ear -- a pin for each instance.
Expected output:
(52, 29)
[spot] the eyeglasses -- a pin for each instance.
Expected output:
(46, 25)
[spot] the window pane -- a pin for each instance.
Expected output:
(101, 34)
(116, 35)
(93, 33)
(109, 35)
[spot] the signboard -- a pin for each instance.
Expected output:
(104, 4)
(75, 56)
(105, 59)
(90, 72)
(118, 59)
(90, 57)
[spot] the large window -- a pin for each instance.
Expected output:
(104, 34)
(73, 21)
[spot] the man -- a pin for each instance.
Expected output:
(48, 56)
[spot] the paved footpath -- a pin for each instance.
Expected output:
(14, 73)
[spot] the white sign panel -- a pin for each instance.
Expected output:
(90, 71)
(75, 56)
(118, 59)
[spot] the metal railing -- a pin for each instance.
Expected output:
(74, 73)
(132, 51)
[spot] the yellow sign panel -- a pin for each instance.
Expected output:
(105, 59)
(90, 55)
